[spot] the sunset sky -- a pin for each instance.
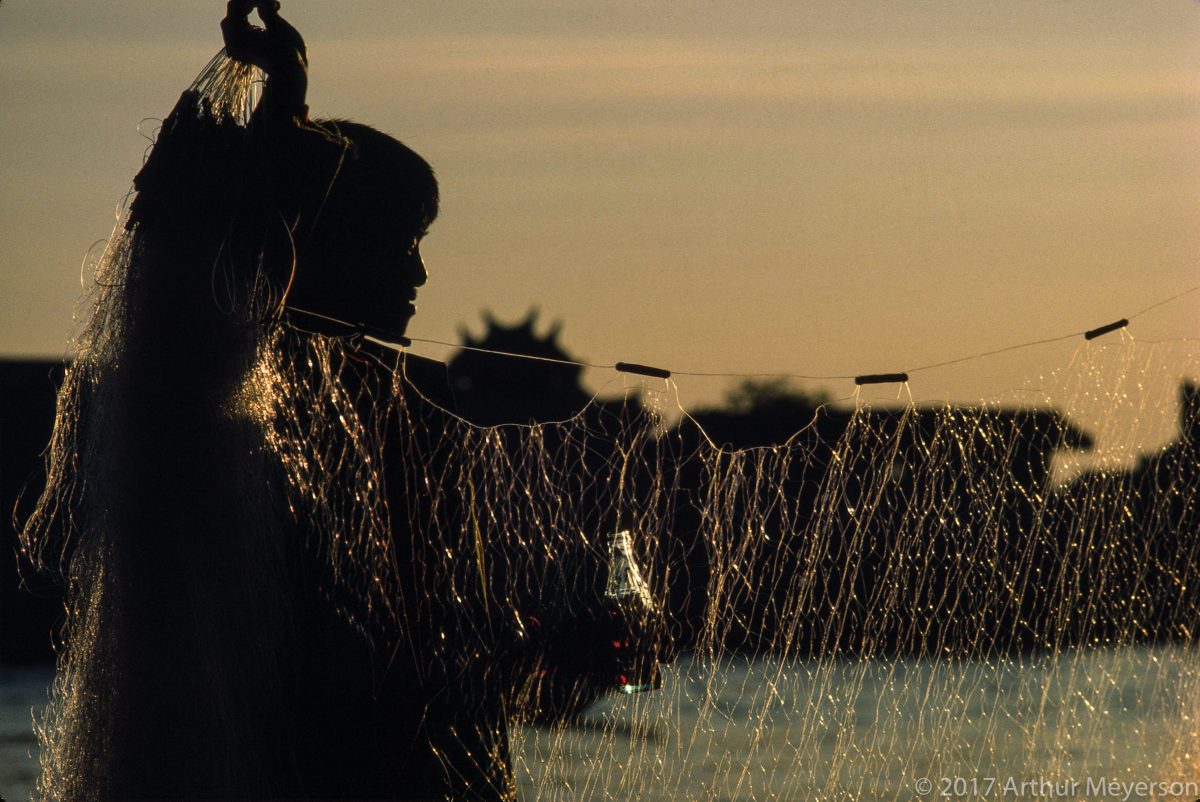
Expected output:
(811, 188)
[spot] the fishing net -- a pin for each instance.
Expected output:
(974, 601)
(850, 600)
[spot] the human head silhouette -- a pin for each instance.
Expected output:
(357, 249)
(356, 201)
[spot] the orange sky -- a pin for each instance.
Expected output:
(821, 189)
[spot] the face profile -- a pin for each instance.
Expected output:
(412, 275)
(387, 300)
(358, 245)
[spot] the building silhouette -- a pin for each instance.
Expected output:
(970, 488)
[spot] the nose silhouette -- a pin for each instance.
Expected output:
(413, 269)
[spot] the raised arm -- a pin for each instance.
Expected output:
(277, 49)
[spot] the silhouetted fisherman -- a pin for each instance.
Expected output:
(255, 605)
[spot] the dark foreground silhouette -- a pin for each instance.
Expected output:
(266, 592)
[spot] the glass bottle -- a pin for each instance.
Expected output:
(636, 624)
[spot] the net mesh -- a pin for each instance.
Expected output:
(895, 593)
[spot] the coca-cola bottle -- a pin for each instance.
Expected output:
(638, 632)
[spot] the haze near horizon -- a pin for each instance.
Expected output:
(798, 188)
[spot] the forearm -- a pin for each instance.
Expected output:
(278, 50)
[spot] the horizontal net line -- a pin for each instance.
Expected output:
(1165, 301)
(877, 378)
